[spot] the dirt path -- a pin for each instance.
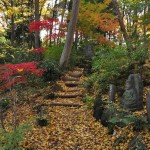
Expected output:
(70, 128)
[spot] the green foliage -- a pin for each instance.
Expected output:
(90, 83)
(4, 104)
(140, 54)
(120, 139)
(123, 119)
(98, 107)
(89, 101)
(13, 140)
(53, 53)
(109, 112)
(52, 70)
(6, 50)
(140, 123)
(137, 144)
(76, 57)
(108, 63)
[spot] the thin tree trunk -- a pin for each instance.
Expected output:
(62, 19)
(37, 18)
(69, 39)
(122, 25)
(12, 26)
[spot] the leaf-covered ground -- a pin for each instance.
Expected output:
(72, 128)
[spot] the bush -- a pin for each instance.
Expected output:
(4, 104)
(98, 108)
(13, 140)
(88, 101)
(6, 50)
(108, 64)
(53, 53)
(52, 70)
(137, 144)
(140, 52)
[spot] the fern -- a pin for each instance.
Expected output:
(12, 140)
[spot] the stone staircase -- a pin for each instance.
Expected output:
(71, 92)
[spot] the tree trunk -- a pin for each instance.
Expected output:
(69, 39)
(122, 26)
(37, 18)
(12, 26)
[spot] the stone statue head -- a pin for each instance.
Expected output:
(128, 85)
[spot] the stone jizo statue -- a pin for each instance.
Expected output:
(129, 99)
(133, 96)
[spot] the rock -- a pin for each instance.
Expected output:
(112, 92)
(132, 98)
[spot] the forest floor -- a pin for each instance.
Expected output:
(71, 127)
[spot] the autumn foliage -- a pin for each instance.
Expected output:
(44, 24)
(17, 73)
(54, 28)
(38, 50)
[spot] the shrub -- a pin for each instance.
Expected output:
(137, 144)
(140, 123)
(53, 53)
(6, 50)
(88, 101)
(4, 104)
(98, 108)
(13, 140)
(52, 70)
(108, 64)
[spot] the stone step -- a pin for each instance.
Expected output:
(68, 95)
(72, 90)
(75, 74)
(72, 83)
(63, 104)
(68, 78)
(79, 69)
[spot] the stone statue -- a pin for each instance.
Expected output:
(138, 85)
(133, 96)
(129, 99)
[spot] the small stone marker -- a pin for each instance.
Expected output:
(112, 92)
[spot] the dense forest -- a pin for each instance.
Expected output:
(74, 74)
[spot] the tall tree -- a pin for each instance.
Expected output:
(70, 34)
(122, 25)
